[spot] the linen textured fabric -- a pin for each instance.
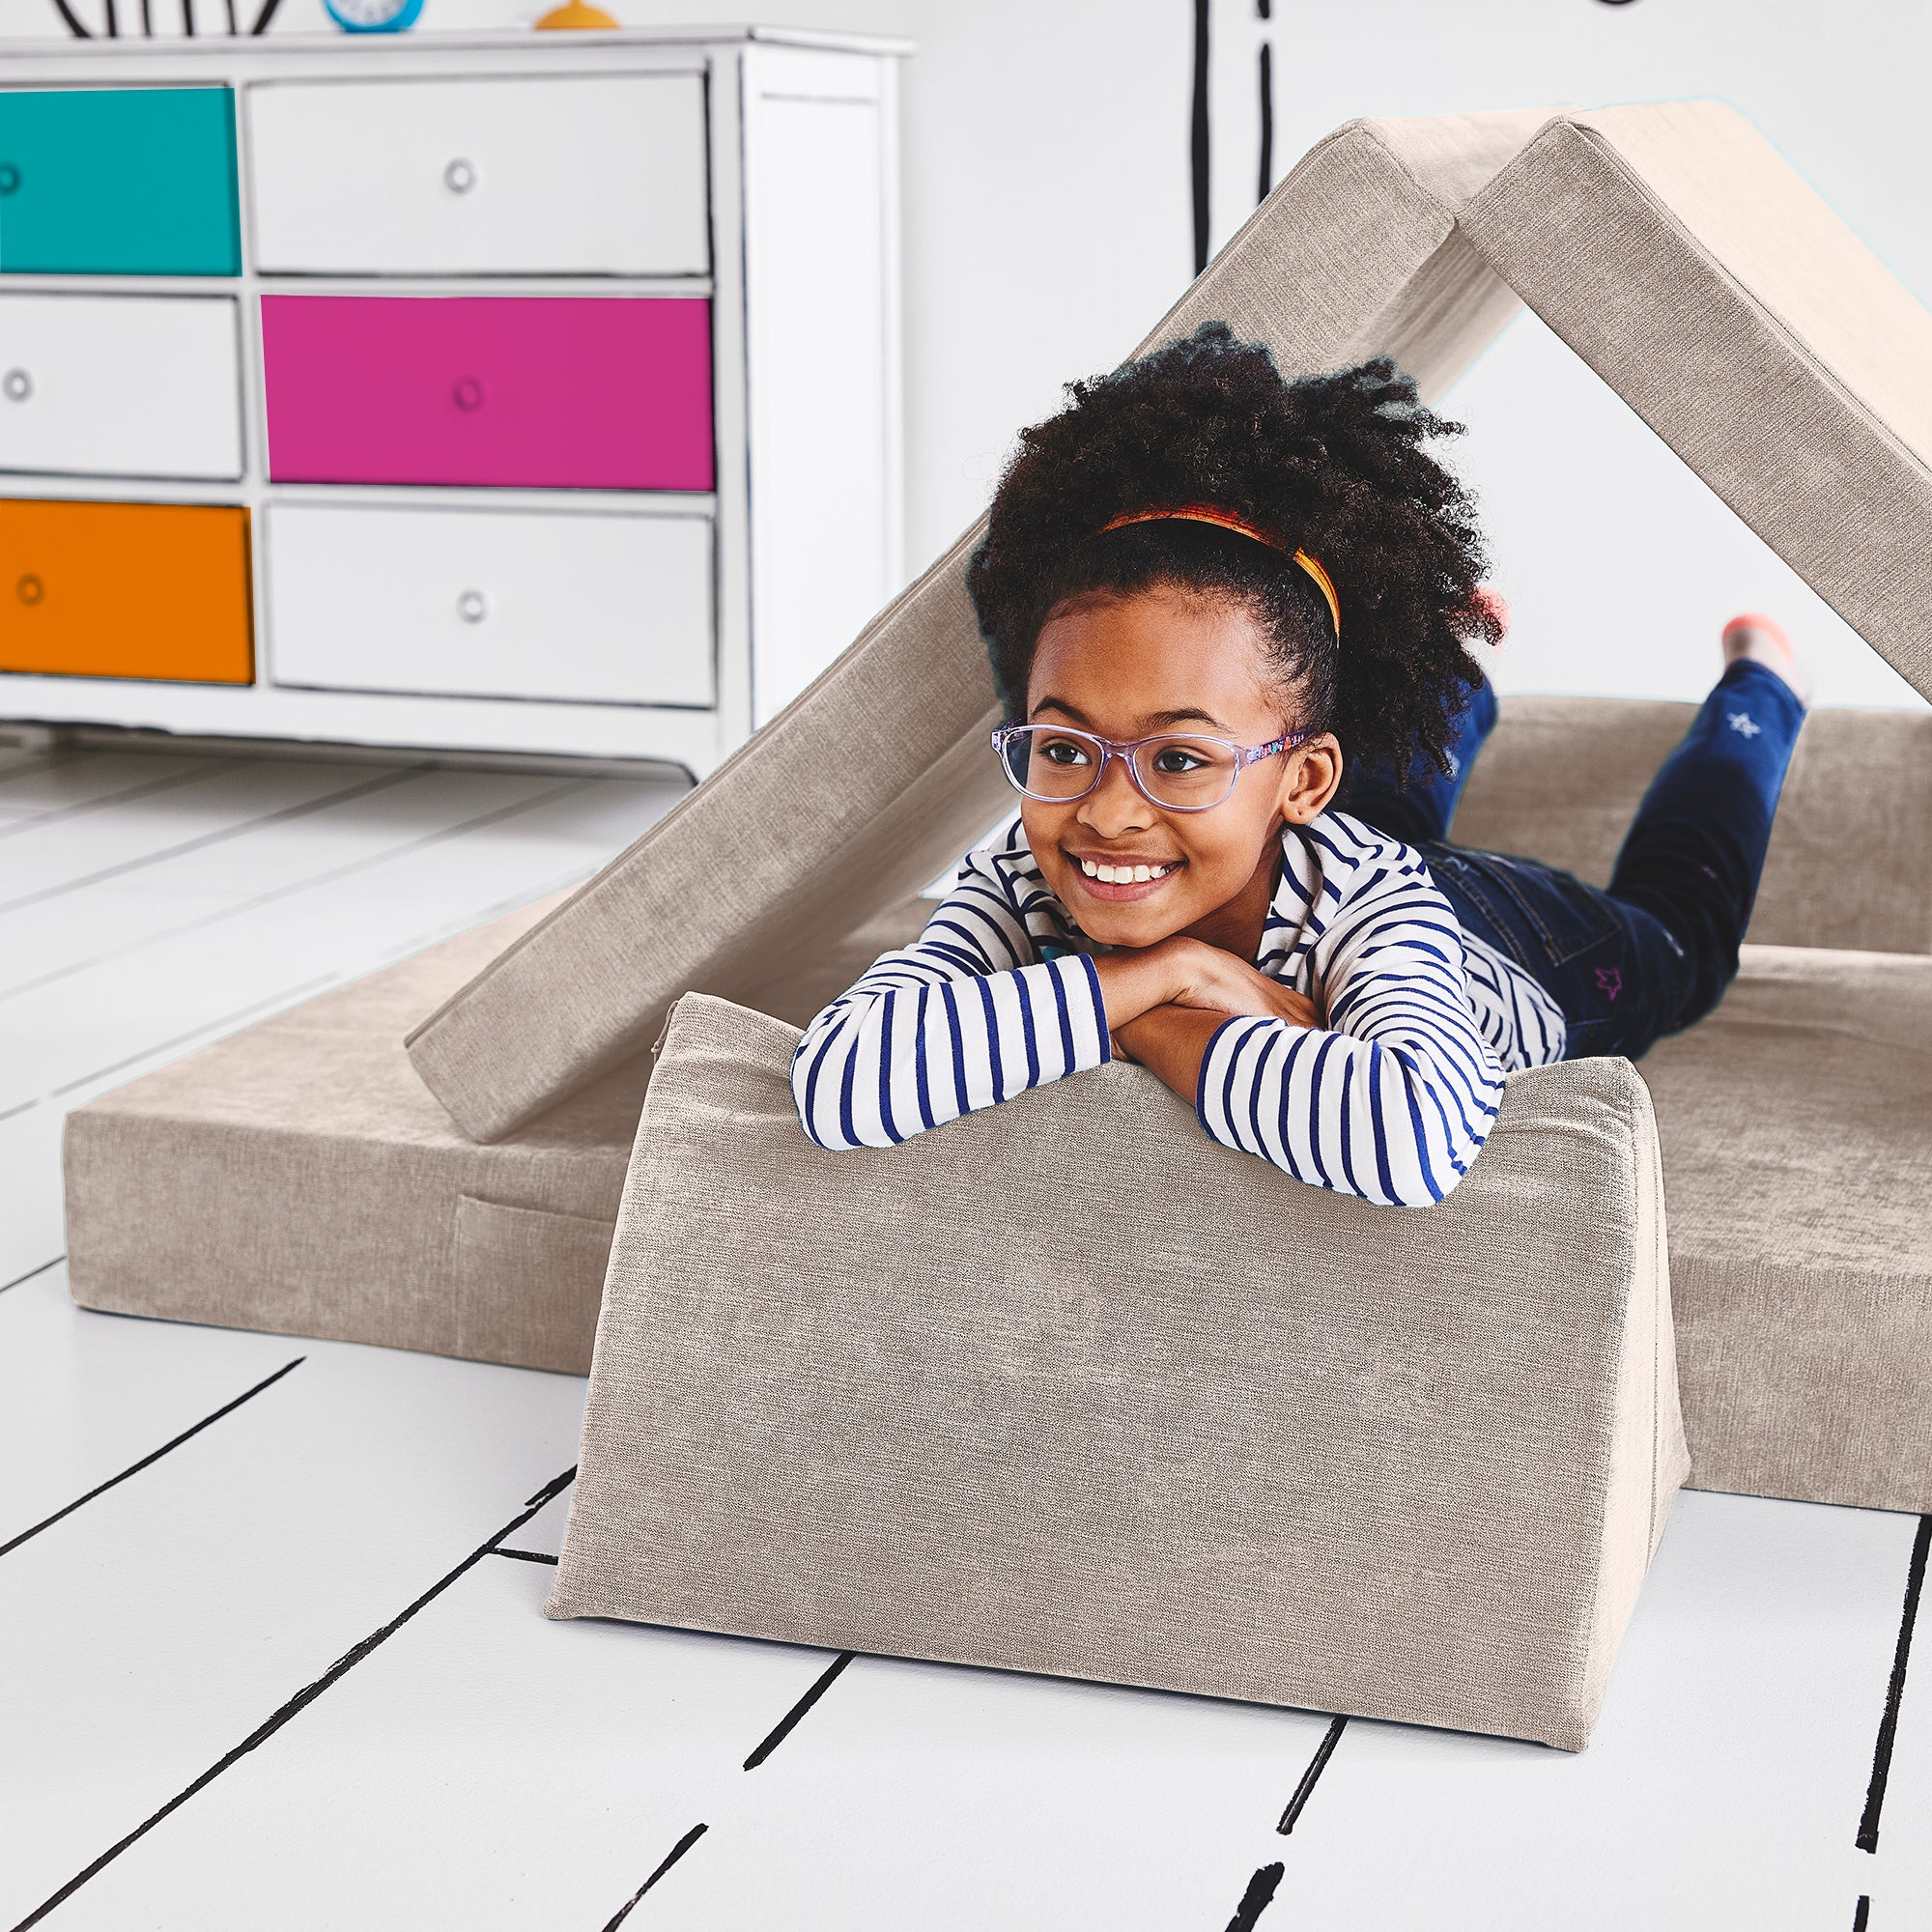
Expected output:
(297, 1176)
(1797, 1131)
(879, 774)
(1675, 250)
(867, 1401)
(1796, 1121)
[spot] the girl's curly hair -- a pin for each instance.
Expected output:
(1333, 463)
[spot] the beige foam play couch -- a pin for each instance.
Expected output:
(315, 1173)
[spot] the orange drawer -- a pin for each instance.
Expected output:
(150, 591)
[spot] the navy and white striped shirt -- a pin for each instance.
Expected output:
(1390, 1101)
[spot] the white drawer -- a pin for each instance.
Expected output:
(588, 608)
(585, 175)
(121, 386)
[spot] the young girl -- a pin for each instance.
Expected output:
(1227, 617)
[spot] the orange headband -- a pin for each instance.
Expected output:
(1226, 519)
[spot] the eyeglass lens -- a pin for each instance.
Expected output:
(1047, 762)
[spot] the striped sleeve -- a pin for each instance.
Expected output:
(965, 1017)
(1393, 1099)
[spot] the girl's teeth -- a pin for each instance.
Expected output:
(1123, 876)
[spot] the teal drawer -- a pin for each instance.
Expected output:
(133, 181)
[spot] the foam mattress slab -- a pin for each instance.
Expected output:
(297, 1176)
(1064, 1386)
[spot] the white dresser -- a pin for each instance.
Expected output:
(532, 392)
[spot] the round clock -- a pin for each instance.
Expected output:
(373, 16)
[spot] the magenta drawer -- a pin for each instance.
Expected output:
(540, 394)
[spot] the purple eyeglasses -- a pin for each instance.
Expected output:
(1176, 771)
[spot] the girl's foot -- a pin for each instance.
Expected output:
(1763, 641)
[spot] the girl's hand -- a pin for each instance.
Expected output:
(1222, 984)
(1190, 975)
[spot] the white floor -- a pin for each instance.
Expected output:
(291, 1673)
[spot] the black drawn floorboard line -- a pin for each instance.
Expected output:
(108, 800)
(670, 1858)
(1256, 1900)
(1310, 1777)
(787, 1723)
(152, 1456)
(241, 907)
(288, 995)
(1860, 1913)
(525, 1555)
(303, 1698)
(1888, 1725)
(219, 835)
(32, 1271)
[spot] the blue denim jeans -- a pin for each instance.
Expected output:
(1656, 951)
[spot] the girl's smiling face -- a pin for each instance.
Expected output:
(1168, 659)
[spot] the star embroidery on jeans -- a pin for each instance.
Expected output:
(1743, 722)
(1610, 981)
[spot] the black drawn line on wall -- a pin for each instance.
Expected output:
(303, 1698)
(670, 1858)
(1888, 1725)
(1264, 10)
(152, 1456)
(20, 1279)
(73, 26)
(1257, 1898)
(1312, 1777)
(1199, 137)
(785, 1725)
(1267, 121)
(526, 1556)
(1860, 1913)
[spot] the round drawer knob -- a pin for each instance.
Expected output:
(460, 176)
(467, 395)
(10, 177)
(31, 590)
(473, 606)
(16, 385)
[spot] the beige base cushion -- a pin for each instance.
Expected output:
(1850, 863)
(1067, 1387)
(1797, 1131)
(298, 1177)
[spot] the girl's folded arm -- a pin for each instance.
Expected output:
(963, 1018)
(1392, 1100)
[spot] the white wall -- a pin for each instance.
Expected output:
(1047, 226)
